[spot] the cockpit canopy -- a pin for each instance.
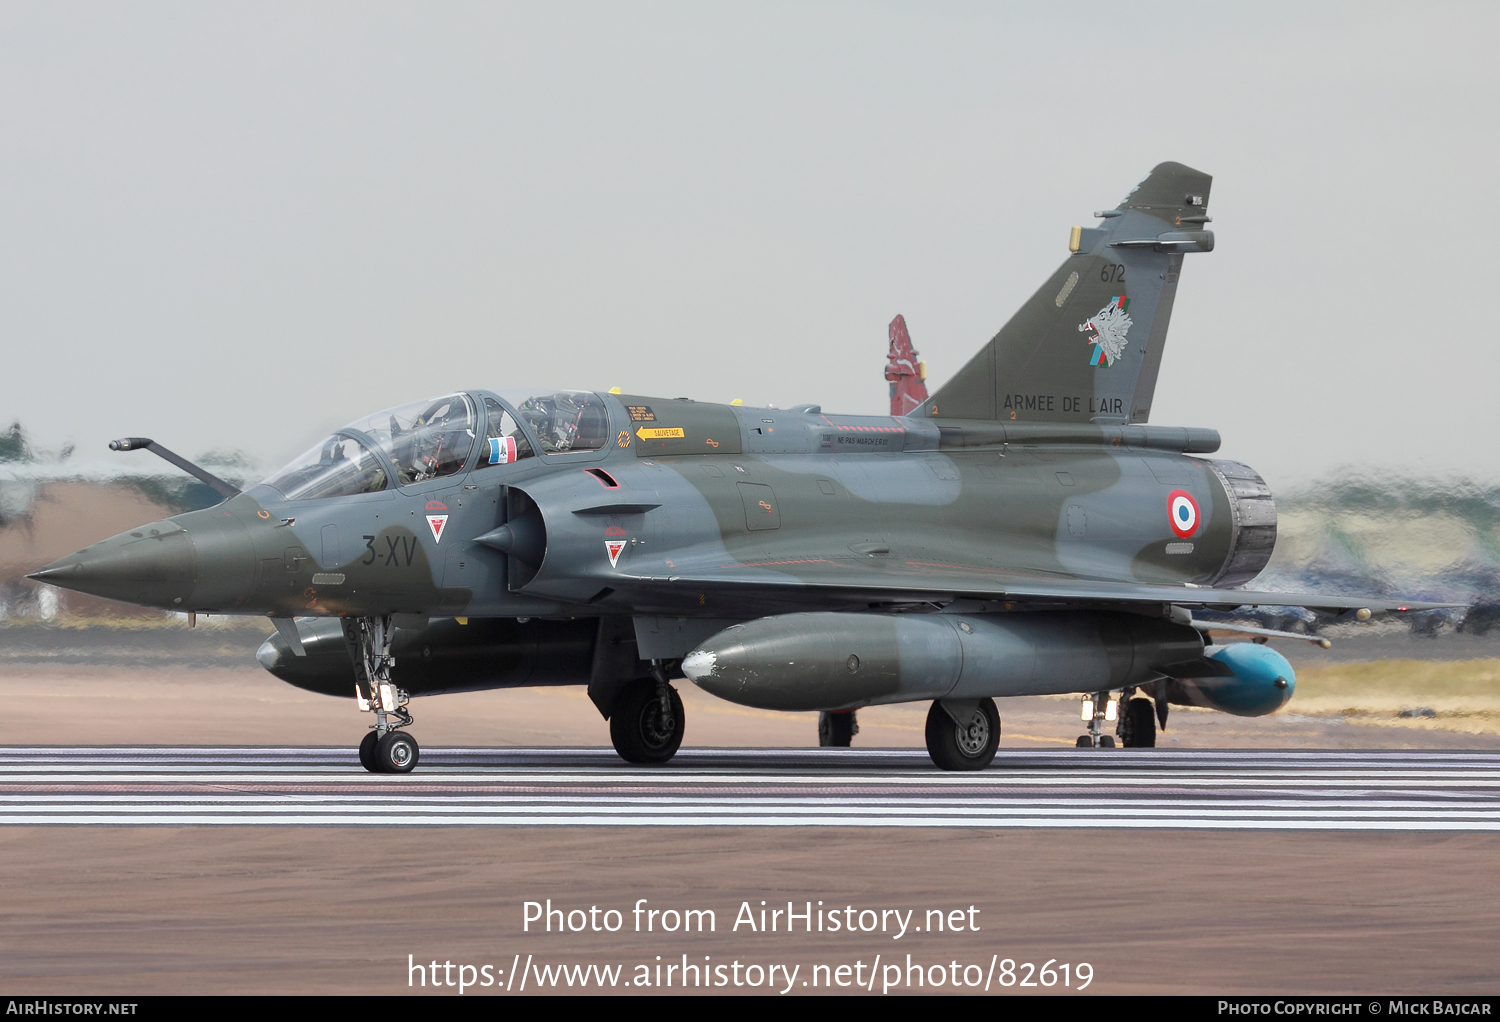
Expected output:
(563, 420)
(434, 438)
(422, 440)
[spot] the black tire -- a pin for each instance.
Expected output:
(367, 752)
(636, 728)
(837, 730)
(1084, 742)
(1106, 741)
(397, 753)
(1138, 725)
(970, 747)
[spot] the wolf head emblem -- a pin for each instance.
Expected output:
(1106, 330)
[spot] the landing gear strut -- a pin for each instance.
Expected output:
(837, 730)
(384, 750)
(646, 724)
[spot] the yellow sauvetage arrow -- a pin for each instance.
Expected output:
(660, 433)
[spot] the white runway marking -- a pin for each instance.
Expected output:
(152, 786)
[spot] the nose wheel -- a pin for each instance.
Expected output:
(395, 752)
(367, 751)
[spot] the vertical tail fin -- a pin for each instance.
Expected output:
(905, 374)
(1087, 346)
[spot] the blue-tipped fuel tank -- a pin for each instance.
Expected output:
(1261, 682)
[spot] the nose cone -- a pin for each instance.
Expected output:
(154, 566)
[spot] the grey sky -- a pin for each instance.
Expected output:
(235, 225)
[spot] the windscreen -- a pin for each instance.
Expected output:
(425, 439)
(339, 466)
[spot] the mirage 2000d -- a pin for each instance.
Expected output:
(1021, 531)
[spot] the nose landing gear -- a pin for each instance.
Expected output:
(384, 750)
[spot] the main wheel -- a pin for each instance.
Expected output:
(367, 752)
(837, 730)
(396, 753)
(1138, 725)
(637, 727)
(970, 746)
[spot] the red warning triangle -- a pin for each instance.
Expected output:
(614, 547)
(437, 523)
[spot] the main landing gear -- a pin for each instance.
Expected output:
(647, 721)
(836, 730)
(384, 750)
(1138, 724)
(963, 734)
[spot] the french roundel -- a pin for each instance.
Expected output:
(1183, 511)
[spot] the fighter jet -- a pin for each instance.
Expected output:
(1021, 531)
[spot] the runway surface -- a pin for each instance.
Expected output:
(1150, 789)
